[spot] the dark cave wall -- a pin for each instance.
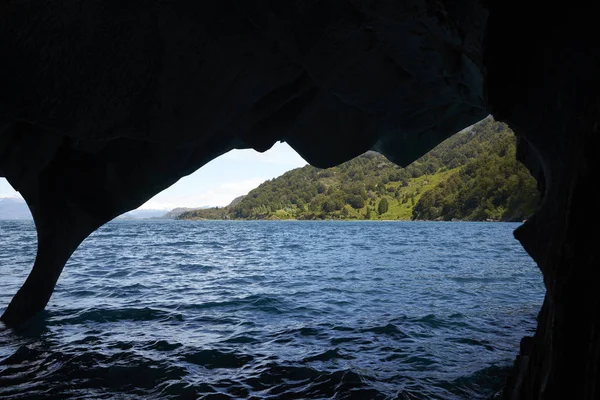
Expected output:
(542, 78)
(109, 102)
(105, 103)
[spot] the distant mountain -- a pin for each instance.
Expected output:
(14, 208)
(174, 213)
(143, 214)
(471, 176)
(157, 214)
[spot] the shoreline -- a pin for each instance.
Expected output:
(336, 220)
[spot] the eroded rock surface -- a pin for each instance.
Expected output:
(548, 91)
(105, 103)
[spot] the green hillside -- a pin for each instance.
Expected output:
(471, 176)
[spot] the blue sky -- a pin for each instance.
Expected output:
(220, 181)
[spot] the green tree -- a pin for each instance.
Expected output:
(321, 188)
(472, 175)
(383, 206)
(331, 205)
(355, 201)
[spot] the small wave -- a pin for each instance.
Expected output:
(436, 322)
(343, 328)
(113, 315)
(309, 332)
(217, 359)
(278, 381)
(82, 293)
(119, 274)
(288, 334)
(483, 279)
(492, 376)
(340, 340)
(230, 314)
(212, 244)
(472, 342)
(420, 362)
(161, 345)
(327, 356)
(262, 303)
(242, 339)
(389, 329)
(330, 289)
(22, 355)
(182, 243)
(195, 267)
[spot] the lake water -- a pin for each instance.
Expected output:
(273, 310)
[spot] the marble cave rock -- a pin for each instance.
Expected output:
(104, 103)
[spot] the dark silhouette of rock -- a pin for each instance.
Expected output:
(543, 79)
(105, 103)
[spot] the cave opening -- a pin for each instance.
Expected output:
(113, 103)
(314, 308)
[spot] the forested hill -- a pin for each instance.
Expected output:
(471, 176)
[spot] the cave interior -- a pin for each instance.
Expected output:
(103, 104)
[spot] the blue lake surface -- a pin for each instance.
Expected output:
(272, 310)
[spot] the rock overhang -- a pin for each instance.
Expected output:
(106, 103)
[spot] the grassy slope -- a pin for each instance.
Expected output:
(447, 174)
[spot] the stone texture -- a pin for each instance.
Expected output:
(104, 103)
(543, 80)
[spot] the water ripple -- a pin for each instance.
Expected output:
(272, 310)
